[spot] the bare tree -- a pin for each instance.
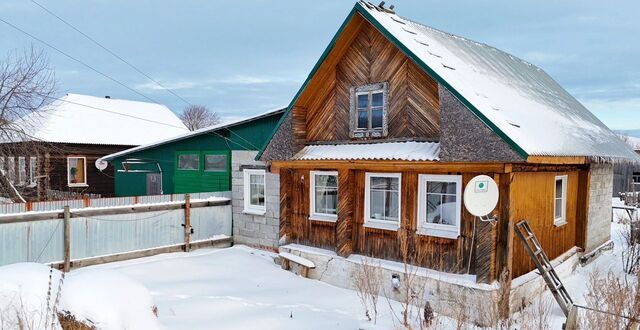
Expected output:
(27, 86)
(198, 116)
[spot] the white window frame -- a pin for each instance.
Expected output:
(248, 207)
(22, 170)
(86, 182)
(375, 223)
(33, 169)
(435, 229)
(11, 169)
(312, 193)
(559, 221)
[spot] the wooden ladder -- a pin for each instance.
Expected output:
(534, 249)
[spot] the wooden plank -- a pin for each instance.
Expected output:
(82, 213)
(557, 160)
(582, 215)
(67, 240)
(391, 166)
(344, 243)
(187, 222)
(285, 205)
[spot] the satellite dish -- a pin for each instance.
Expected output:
(481, 195)
(101, 164)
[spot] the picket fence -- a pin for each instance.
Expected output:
(108, 226)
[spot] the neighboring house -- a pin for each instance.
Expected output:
(216, 158)
(396, 117)
(626, 176)
(69, 135)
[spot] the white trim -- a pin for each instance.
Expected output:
(83, 184)
(248, 207)
(312, 198)
(33, 169)
(434, 229)
(22, 171)
(559, 221)
(375, 223)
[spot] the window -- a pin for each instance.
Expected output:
(33, 170)
(560, 201)
(382, 200)
(635, 178)
(369, 111)
(439, 205)
(77, 171)
(22, 170)
(324, 196)
(11, 169)
(215, 163)
(188, 161)
(254, 188)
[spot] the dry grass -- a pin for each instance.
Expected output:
(616, 300)
(69, 322)
(367, 280)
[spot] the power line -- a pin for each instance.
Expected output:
(111, 52)
(77, 60)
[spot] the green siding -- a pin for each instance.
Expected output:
(246, 136)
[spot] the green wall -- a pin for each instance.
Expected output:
(251, 135)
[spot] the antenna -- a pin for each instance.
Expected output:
(101, 164)
(481, 196)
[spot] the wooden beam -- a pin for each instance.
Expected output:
(565, 160)
(582, 212)
(387, 165)
(187, 223)
(67, 240)
(344, 243)
(83, 213)
(286, 187)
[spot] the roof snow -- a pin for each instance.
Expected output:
(411, 151)
(87, 119)
(534, 111)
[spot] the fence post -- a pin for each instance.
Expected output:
(187, 222)
(67, 239)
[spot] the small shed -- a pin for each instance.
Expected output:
(199, 161)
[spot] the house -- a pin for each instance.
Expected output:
(626, 176)
(216, 158)
(375, 149)
(70, 134)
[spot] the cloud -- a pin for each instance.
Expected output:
(617, 114)
(235, 80)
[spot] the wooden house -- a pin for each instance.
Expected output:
(198, 161)
(68, 136)
(393, 121)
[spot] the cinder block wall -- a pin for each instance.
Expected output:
(254, 230)
(599, 219)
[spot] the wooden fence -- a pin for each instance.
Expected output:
(76, 233)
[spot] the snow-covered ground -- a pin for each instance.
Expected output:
(233, 288)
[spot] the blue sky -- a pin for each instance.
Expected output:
(245, 57)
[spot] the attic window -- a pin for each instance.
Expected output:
(368, 111)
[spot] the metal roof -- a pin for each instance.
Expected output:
(202, 131)
(411, 151)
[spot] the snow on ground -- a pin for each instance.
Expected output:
(106, 299)
(242, 288)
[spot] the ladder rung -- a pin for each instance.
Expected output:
(536, 253)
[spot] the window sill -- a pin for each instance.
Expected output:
(323, 218)
(559, 223)
(254, 212)
(79, 185)
(438, 233)
(383, 226)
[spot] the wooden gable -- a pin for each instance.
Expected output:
(362, 56)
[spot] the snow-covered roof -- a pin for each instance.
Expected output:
(411, 151)
(516, 99)
(87, 119)
(205, 130)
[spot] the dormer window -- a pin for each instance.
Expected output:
(369, 111)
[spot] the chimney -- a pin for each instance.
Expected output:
(107, 97)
